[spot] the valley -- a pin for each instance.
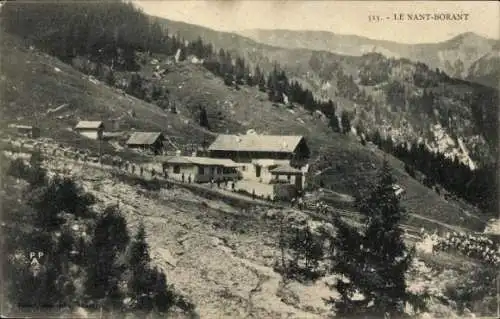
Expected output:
(381, 128)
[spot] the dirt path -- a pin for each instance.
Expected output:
(223, 192)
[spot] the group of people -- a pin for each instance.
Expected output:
(212, 181)
(474, 246)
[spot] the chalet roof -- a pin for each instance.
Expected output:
(285, 169)
(143, 138)
(89, 125)
(200, 161)
(255, 143)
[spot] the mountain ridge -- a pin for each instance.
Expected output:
(454, 56)
(345, 35)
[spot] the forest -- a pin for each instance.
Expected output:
(478, 187)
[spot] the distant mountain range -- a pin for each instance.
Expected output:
(466, 56)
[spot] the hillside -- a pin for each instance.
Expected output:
(340, 162)
(486, 70)
(363, 84)
(218, 248)
(221, 256)
(455, 56)
(34, 84)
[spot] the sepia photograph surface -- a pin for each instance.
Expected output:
(249, 159)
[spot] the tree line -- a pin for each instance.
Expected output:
(478, 186)
(111, 33)
(84, 257)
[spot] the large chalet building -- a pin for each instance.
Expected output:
(268, 163)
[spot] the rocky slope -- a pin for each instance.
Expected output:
(222, 256)
(486, 70)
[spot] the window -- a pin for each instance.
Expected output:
(177, 169)
(213, 170)
(200, 170)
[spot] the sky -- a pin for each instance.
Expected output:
(342, 17)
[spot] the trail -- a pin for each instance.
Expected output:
(59, 156)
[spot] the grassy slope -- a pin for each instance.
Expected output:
(356, 163)
(33, 82)
(30, 85)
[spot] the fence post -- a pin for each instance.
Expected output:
(498, 294)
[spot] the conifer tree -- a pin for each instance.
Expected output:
(104, 272)
(375, 259)
(110, 78)
(140, 282)
(262, 83)
(346, 122)
(203, 117)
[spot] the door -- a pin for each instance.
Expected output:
(257, 171)
(298, 182)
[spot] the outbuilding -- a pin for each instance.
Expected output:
(90, 129)
(26, 130)
(147, 141)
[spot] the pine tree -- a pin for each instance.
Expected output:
(203, 118)
(104, 272)
(140, 282)
(260, 79)
(135, 86)
(37, 174)
(222, 62)
(346, 122)
(239, 71)
(375, 259)
(110, 78)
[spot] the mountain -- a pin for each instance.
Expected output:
(454, 56)
(216, 253)
(456, 119)
(486, 70)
